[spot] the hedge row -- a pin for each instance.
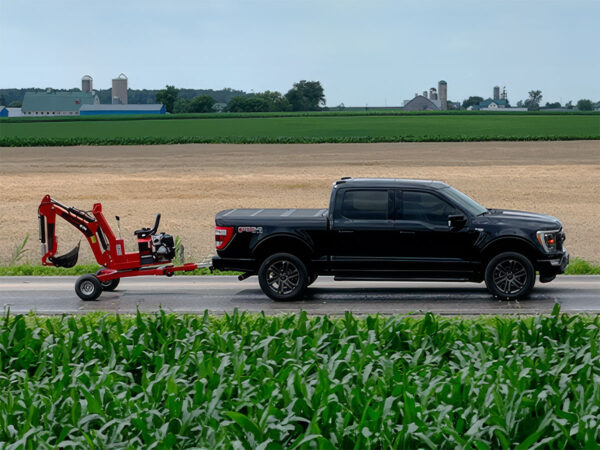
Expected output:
(162, 140)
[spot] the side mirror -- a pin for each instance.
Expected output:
(457, 222)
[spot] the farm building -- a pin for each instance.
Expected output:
(420, 103)
(56, 103)
(10, 112)
(92, 110)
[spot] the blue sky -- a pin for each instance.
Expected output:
(364, 52)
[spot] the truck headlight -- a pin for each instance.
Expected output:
(547, 240)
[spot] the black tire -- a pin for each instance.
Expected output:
(109, 285)
(312, 278)
(283, 277)
(510, 276)
(88, 287)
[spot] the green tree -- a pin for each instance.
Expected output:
(306, 96)
(569, 104)
(471, 101)
(585, 105)
(275, 101)
(202, 104)
(533, 102)
(167, 97)
(181, 106)
(15, 105)
(553, 105)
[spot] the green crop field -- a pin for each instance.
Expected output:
(309, 128)
(251, 381)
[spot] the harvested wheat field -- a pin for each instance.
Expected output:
(188, 184)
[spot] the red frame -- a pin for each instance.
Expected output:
(116, 263)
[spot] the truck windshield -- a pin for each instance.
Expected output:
(465, 201)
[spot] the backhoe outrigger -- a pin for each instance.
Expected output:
(154, 257)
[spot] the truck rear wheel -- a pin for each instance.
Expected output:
(283, 277)
(510, 276)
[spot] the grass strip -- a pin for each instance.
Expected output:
(577, 266)
(293, 381)
(254, 115)
(81, 269)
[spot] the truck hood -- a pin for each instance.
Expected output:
(522, 219)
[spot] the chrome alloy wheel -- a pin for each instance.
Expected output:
(283, 277)
(510, 276)
(87, 287)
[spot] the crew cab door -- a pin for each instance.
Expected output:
(361, 227)
(428, 246)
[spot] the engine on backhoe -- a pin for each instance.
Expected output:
(163, 247)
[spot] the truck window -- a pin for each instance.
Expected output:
(425, 207)
(365, 205)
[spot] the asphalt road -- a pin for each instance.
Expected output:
(219, 294)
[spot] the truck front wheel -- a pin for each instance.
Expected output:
(510, 276)
(283, 277)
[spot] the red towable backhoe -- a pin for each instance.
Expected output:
(156, 250)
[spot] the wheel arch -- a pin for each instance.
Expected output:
(282, 243)
(509, 244)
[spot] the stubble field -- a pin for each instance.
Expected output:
(188, 184)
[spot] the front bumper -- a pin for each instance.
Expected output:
(234, 264)
(555, 264)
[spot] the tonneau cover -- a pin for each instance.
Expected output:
(285, 217)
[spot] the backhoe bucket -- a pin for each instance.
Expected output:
(68, 259)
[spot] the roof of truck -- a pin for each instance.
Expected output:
(391, 182)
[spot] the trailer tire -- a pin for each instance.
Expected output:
(283, 277)
(88, 287)
(110, 285)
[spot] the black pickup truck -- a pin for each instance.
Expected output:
(391, 229)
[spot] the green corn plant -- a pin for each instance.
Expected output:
(19, 251)
(295, 381)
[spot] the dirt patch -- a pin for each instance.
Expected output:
(188, 184)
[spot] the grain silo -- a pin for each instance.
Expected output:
(119, 90)
(87, 83)
(443, 94)
(496, 93)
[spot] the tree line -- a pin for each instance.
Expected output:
(303, 96)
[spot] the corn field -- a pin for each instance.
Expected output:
(258, 382)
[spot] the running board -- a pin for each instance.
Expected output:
(398, 279)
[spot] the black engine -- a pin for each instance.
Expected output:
(163, 247)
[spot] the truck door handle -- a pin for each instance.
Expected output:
(406, 232)
(345, 231)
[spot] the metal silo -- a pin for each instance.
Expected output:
(87, 83)
(119, 90)
(443, 94)
(496, 92)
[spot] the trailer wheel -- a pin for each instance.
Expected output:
(110, 285)
(88, 287)
(283, 277)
